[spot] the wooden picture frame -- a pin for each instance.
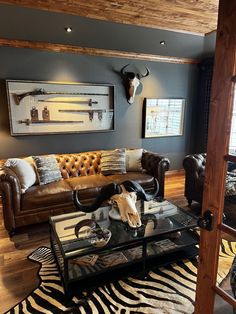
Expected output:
(38, 107)
(163, 117)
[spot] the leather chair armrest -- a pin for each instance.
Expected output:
(156, 165)
(10, 191)
(194, 164)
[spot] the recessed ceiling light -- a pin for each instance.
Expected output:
(68, 29)
(162, 43)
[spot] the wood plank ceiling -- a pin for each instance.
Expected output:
(190, 16)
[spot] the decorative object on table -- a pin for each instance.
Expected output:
(88, 260)
(151, 223)
(113, 259)
(163, 246)
(39, 107)
(125, 196)
(132, 81)
(163, 117)
(90, 230)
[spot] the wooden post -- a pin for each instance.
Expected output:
(218, 141)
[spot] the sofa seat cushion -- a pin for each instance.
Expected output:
(61, 192)
(144, 179)
(90, 193)
(44, 196)
(86, 182)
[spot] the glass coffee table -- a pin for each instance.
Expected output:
(166, 235)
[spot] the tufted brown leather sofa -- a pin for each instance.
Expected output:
(194, 166)
(80, 171)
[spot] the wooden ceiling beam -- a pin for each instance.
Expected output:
(26, 44)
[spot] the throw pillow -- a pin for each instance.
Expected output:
(113, 162)
(24, 171)
(31, 161)
(134, 159)
(47, 168)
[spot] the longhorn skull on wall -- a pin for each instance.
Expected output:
(125, 196)
(131, 81)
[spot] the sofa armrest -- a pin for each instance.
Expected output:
(194, 165)
(156, 165)
(10, 191)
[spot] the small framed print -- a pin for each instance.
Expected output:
(163, 117)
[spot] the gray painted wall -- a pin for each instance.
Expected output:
(166, 80)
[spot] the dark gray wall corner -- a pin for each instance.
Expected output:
(209, 45)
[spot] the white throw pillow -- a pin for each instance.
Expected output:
(24, 171)
(134, 159)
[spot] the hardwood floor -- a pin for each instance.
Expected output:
(18, 275)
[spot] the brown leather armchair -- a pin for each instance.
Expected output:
(194, 166)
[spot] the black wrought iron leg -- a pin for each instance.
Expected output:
(189, 201)
(144, 268)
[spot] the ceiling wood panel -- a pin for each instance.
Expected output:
(191, 16)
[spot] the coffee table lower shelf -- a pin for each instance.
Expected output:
(139, 266)
(135, 269)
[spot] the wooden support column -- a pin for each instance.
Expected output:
(218, 141)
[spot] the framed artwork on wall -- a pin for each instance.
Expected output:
(37, 107)
(163, 117)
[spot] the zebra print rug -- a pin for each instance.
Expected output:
(167, 290)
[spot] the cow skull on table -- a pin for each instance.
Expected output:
(126, 205)
(125, 196)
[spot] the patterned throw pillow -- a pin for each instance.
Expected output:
(47, 168)
(113, 162)
(134, 159)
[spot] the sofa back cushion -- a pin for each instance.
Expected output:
(81, 164)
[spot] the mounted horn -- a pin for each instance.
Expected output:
(122, 70)
(147, 73)
(132, 186)
(106, 192)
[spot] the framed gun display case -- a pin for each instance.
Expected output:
(163, 117)
(37, 107)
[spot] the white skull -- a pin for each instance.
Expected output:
(126, 204)
(133, 85)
